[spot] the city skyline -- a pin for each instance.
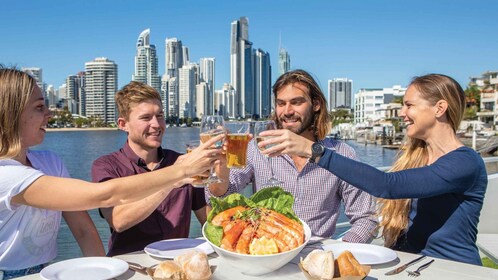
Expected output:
(376, 44)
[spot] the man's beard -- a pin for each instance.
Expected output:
(306, 125)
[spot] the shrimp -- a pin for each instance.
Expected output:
(279, 235)
(227, 215)
(231, 233)
(245, 239)
(287, 229)
(288, 221)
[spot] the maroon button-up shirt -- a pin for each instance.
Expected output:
(170, 220)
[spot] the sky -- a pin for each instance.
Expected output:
(375, 43)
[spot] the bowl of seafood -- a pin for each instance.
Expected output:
(256, 235)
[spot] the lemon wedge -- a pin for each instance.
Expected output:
(263, 246)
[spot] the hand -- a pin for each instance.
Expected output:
(201, 158)
(286, 142)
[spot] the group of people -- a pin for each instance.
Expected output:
(428, 203)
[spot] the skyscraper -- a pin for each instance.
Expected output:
(186, 88)
(241, 67)
(75, 90)
(146, 62)
(100, 87)
(174, 56)
(206, 74)
(262, 84)
(37, 74)
(339, 93)
(283, 61)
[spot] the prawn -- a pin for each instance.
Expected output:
(227, 215)
(231, 233)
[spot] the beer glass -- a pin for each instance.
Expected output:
(237, 140)
(258, 128)
(199, 180)
(212, 126)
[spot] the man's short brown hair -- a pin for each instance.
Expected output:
(132, 94)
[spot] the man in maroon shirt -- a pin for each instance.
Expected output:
(163, 215)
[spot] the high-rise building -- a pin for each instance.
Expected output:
(146, 62)
(173, 95)
(262, 84)
(174, 56)
(201, 100)
(75, 90)
(225, 101)
(206, 74)
(186, 88)
(100, 87)
(340, 93)
(241, 67)
(283, 61)
(37, 74)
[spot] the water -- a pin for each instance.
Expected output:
(79, 149)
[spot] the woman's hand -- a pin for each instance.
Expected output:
(286, 142)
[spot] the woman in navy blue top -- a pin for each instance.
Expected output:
(432, 197)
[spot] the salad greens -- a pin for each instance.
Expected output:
(274, 198)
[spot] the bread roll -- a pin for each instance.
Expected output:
(195, 265)
(319, 264)
(347, 265)
(168, 270)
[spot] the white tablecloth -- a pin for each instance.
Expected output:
(440, 269)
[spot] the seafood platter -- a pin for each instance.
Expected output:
(256, 235)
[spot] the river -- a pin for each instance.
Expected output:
(79, 149)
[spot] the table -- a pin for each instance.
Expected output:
(440, 269)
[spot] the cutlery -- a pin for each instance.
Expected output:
(416, 273)
(141, 269)
(403, 267)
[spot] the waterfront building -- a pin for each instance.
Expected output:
(165, 93)
(241, 70)
(52, 96)
(262, 84)
(172, 96)
(100, 87)
(174, 56)
(225, 101)
(146, 62)
(487, 83)
(186, 89)
(369, 102)
(339, 93)
(206, 75)
(283, 61)
(37, 74)
(201, 100)
(75, 90)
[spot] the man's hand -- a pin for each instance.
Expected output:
(286, 142)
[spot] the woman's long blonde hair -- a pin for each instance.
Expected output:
(16, 87)
(432, 87)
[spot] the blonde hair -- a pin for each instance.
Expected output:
(321, 119)
(132, 94)
(432, 87)
(16, 88)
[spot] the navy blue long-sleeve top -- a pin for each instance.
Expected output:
(449, 194)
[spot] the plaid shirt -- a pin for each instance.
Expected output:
(317, 192)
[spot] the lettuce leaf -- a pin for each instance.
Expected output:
(274, 198)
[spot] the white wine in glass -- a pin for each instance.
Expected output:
(258, 128)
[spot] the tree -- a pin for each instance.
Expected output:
(473, 96)
(340, 116)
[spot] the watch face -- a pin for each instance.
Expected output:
(317, 148)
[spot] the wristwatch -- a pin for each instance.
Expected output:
(317, 150)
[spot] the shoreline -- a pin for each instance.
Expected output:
(80, 129)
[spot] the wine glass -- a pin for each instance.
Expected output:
(258, 128)
(212, 126)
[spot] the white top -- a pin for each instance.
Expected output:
(28, 235)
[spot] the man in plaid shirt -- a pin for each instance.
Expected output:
(301, 109)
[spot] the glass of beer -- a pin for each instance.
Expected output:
(199, 180)
(237, 140)
(258, 128)
(212, 126)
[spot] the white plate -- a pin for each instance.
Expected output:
(170, 248)
(98, 268)
(366, 254)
